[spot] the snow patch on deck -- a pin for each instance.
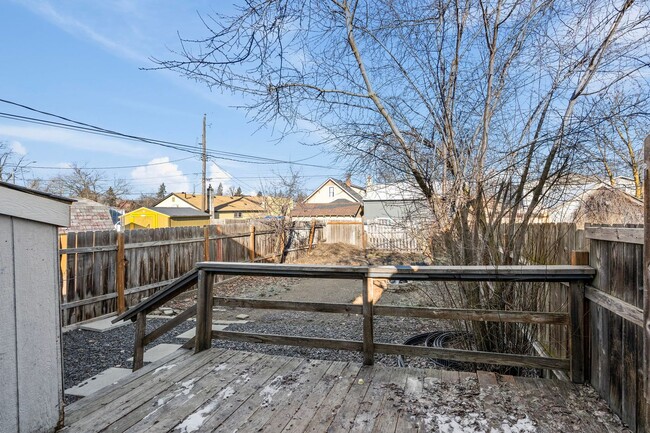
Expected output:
(163, 368)
(194, 421)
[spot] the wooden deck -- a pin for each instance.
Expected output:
(226, 391)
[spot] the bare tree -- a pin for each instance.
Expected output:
(620, 122)
(11, 163)
(85, 183)
(482, 104)
(278, 199)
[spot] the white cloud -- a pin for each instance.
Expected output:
(18, 148)
(76, 140)
(157, 171)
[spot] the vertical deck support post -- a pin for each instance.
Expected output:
(204, 312)
(138, 347)
(368, 339)
(577, 320)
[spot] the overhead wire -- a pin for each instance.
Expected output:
(93, 129)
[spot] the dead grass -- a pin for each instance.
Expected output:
(345, 254)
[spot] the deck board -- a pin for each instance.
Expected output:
(225, 390)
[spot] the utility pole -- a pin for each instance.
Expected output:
(204, 158)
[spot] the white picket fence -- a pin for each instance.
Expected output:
(391, 237)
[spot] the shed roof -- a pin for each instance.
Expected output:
(237, 204)
(338, 208)
(180, 212)
(88, 215)
(17, 201)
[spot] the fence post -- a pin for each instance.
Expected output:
(251, 244)
(138, 346)
(577, 318)
(206, 243)
(219, 244)
(120, 274)
(204, 312)
(368, 339)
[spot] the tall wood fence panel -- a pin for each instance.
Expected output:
(102, 270)
(347, 232)
(614, 322)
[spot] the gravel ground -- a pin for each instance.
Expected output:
(88, 353)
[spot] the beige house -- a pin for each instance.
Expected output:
(237, 207)
(333, 190)
(182, 199)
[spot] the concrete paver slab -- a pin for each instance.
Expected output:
(192, 332)
(102, 325)
(95, 383)
(159, 351)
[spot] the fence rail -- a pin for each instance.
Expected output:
(105, 272)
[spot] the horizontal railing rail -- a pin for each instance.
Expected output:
(204, 273)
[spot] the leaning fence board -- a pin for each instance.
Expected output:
(613, 304)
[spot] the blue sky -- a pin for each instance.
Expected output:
(81, 59)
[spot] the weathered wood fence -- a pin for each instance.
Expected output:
(614, 322)
(105, 272)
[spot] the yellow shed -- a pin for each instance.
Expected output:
(160, 217)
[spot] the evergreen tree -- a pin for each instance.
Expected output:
(110, 198)
(162, 191)
(238, 193)
(220, 189)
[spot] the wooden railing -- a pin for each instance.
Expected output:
(205, 272)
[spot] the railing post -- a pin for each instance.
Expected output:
(138, 347)
(204, 312)
(646, 269)
(368, 339)
(577, 320)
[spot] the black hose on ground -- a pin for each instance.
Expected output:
(435, 339)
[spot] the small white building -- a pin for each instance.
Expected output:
(31, 395)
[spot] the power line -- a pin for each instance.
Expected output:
(89, 128)
(101, 168)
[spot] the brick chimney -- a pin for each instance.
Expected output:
(348, 180)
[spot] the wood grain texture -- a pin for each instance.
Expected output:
(38, 334)
(8, 355)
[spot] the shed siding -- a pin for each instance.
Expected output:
(189, 222)
(9, 388)
(34, 366)
(395, 209)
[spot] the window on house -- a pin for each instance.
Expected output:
(331, 191)
(238, 215)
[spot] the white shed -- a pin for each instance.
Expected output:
(31, 395)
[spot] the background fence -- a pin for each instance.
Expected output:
(105, 271)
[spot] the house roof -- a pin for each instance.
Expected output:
(195, 200)
(237, 204)
(180, 212)
(88, 215)
(338, 208)
(355, 196)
